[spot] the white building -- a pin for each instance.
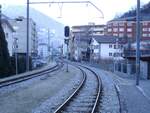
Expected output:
(20, 26)
(8, 30)
(81, 38)
(106, 47)
(45, 37)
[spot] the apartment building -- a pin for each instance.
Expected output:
(126, 27)
(19, 24)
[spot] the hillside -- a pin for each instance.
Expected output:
(145, 11)
(42, 20)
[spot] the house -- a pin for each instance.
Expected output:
(8, 30)
(81, 38)
(20, 26)
(106, 47)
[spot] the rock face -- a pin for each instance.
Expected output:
(4, 55)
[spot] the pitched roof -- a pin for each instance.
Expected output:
(5, 19)
(83, 39)
(109, 39)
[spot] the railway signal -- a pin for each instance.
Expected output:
(66, 41)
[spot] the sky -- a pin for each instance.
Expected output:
(80, 14)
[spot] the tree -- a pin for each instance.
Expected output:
(4, 55)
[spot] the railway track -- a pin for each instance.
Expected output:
(15, 80)
(85, 98)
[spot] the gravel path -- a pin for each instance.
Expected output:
(30, 96)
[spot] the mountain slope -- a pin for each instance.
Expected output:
(41, 19)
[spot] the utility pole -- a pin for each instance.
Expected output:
(0, 13)
(138, 34)
(49, 45)
(67, 53)
(16, 56)
(27, 54)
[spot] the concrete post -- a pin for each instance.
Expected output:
(144, 69)
(122, 67)
(129, 69)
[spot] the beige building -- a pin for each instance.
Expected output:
(20, 26)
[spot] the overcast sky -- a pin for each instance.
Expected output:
(77, 14)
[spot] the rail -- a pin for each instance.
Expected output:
(12, 80)
(64, 105)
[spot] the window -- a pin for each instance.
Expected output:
(121, 46)
(110, 46)
(121, 34)
(121, 29)
(96, 46)
(115, 24)
(115, 29)
(115, 47)
(145, 23)
(114, 54)
(129, 35)
(145, 29)
(109, 30)
(117, 54)
(110, 54)
(109, 25)
(145, 35)
(129, 29)
(115, 34)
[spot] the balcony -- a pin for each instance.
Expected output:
(132, 53)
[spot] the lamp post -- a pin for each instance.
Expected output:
(138, 34)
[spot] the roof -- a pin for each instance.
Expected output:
(87, 26)
(9, 25)
(108, 39)
(5, 20)
(83, 39)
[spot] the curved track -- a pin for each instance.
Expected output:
(85, 98)
(30, 76)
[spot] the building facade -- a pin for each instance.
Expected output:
(81, 38)
(107, 47)
(20, 26)
(126, 27)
